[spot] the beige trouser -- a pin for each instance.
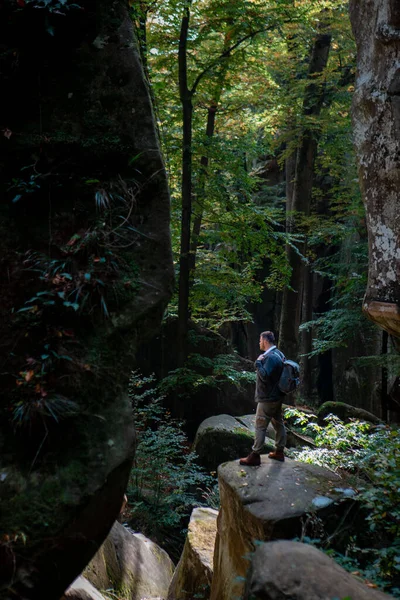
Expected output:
(266, 412)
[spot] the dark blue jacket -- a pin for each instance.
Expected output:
(269, 370)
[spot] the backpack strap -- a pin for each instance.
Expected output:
(279, 353)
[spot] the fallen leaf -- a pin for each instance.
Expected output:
(29, 375)
(7, 132)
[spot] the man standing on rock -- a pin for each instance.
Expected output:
(269, 398)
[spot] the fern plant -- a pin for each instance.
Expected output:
(163, 485)
(372, 452)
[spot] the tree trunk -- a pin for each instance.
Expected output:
(186, 189)
(384, 383)
(80, 288)
(200, 195)
(204, 161)
(376, 119)
(300, 202)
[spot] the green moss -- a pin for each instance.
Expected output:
(130, 584)
(243, 433)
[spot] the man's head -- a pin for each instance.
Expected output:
(267, 339)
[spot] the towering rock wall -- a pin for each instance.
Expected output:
(86, 271)
(376, 116)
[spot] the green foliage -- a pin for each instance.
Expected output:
(79, 281)
(21, 186)
(203, 371)
(162, 488)
(235, 231)
(373, 454)
(55, 406)
(344, 321)
(249, 62)
(211, 496)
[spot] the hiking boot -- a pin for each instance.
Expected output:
(252, 460)
(277, 455)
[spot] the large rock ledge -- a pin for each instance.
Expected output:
(301, 572)
(265, 503)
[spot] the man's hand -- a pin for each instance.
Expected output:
(261, 357)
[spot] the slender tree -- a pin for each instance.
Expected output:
(300, 202)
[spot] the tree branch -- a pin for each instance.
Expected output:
(226, 53)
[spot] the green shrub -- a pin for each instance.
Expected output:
(203, 371)
(163, 485)
(372, 452)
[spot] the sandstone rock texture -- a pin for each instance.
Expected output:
(193, 575)
(81, 589)
(85, 254)
(261, 504)
(131, 565)
(284, 569)
(376, 120)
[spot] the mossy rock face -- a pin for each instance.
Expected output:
(86, 145)
(131, 565)
(345, 412)
(193, 574)
(223, 438)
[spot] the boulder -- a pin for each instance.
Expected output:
(222, 438)
(266, 503)
(346, 411)
(193, 575)
(294, 439)
(297, 571)
(81, 589)
(132, 565)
